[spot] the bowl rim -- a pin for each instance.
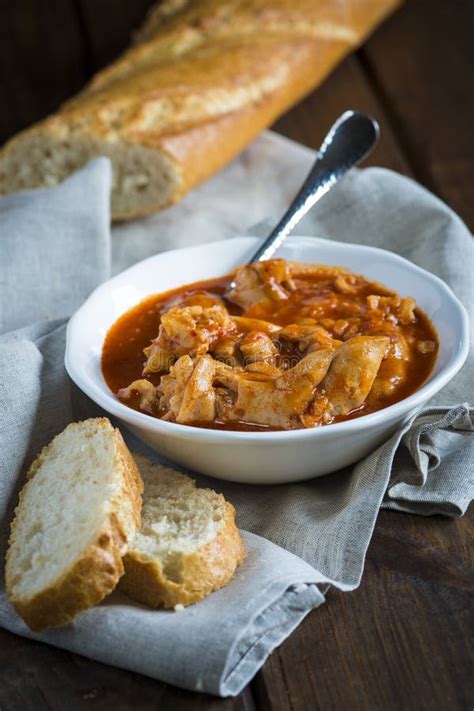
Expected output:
(393, 412)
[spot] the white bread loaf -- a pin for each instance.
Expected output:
(77, 513)
(188, 544)
(204, 79)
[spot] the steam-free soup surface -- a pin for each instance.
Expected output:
(290, 346)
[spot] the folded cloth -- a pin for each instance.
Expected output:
(215, 646)
(41, 230)
(425, 468)
(271, 592)
(433, 471)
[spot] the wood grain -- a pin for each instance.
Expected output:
(41, 60)
(346, 88)
(37, 677)
(421, 65)
(124, 18)
(401, 640)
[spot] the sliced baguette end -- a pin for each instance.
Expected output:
(145, 178)
(84, 585)
(194, 573)
(94, 569)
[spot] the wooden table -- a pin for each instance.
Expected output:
(401, 640)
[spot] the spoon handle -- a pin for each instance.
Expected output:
(349, 141)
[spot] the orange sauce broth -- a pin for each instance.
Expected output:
(123, 358)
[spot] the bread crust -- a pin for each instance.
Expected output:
(202, 572)
(205, 80)
(133, 489)
(97, 571)
(85, 584)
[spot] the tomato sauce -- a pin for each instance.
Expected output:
(344, 314)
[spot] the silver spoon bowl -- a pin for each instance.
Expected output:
(348, 142)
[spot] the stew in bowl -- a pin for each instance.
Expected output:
(276, 345)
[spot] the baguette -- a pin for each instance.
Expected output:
(188, 544)
(77, 513)
(203, 80)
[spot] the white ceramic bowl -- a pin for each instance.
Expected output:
(262, 457)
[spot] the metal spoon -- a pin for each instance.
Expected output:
(348, 142)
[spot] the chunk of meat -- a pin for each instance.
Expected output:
(269, 280)
(187, 392)
(396, 308)
(350, 377)
(227, 350)
(278, 402)
(346, 283)
(244, 323)
(393, 369)
(227, 377)
(308, 337)
(389, 376)
(190, 330)
(406, 310)
(248, 287)
(257, 346)
(201, 298)
(171, 387)
(143, 392)
(276, 276)
(157, 359)
(263, 370)
(308, 373)
(198, 402)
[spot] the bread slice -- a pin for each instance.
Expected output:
(77, 512)
(188, 544)
(204, 79)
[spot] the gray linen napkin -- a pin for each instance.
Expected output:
(271, 592)
(37, 282)
(328, 522)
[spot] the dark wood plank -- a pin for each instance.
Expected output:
(50, 49)
(399, 642)
(108, 27)
(42, 60)
(37, 677)
(421, 63)
(346, 88)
